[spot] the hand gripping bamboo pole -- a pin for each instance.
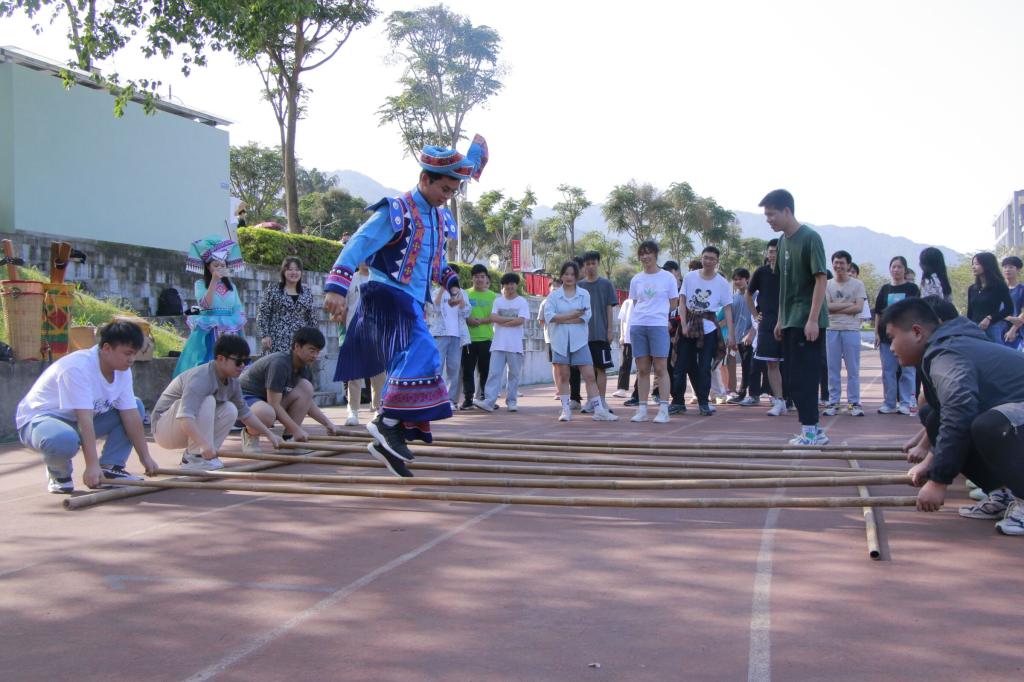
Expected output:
(629, 502)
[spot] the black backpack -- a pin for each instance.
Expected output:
(169, 303)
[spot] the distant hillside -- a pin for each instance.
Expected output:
(864, 244)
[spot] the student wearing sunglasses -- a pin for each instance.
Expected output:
(197, 409)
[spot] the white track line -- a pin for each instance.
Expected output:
(266, 638)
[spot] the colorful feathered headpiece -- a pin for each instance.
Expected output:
(212, 248)
(451, 163)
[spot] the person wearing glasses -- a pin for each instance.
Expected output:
(197, 409)
(279, 387)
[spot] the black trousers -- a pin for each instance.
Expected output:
(476, 356)
(802, 359)
(823, 371)
(995, 457)
(746, 367)
(625, 367)
(697, 363)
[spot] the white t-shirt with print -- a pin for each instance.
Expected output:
(705, 295)
(509, 339)
(75, 382)
(651, 294)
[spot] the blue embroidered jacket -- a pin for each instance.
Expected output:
(403, 243)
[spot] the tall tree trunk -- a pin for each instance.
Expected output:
(291, 186)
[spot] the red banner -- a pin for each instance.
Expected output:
(517, 261)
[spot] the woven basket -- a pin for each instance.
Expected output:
(23, 310)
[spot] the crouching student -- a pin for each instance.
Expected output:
(279, 387)
(80, 398)
(976, 389)
(198, 408)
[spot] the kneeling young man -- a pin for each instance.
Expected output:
(279, 387)
(82, 397)
(196, 411)
(976, 389)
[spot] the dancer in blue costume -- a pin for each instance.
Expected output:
(404, 245)
(221, 310)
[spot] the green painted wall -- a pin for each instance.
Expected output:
(159, 180)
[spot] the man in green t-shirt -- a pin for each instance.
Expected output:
(802, 317)
(476, 356)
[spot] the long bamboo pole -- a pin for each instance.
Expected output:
(465, 453)
(657, 484)
(554, 470)
(771, 453)
(631, 502)
(575, 443)
(870, 522)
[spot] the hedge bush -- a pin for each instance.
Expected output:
(261, 246)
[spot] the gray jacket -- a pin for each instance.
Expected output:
(965, 374)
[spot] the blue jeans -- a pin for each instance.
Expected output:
(501, 359)
(450, 349)
(843, 346)
(58, 440)
(906, 382)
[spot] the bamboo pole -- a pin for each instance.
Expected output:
(870, 522)
(640, 449)
(657, 484)
(595, 471)
(575, 443)
(464, 453)
(630, 502)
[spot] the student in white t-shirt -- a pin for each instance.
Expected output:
(654, 293)
(703, 293)
(82, 397)
(509, 313)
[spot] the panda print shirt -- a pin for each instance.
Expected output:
(705, 295)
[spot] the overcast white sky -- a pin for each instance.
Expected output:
(899, 115)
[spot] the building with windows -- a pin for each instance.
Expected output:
(1009, 224)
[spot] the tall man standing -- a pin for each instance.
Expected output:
(802, 317)
(602, 301)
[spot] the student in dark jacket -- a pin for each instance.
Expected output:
(988, 299)
(976, 389)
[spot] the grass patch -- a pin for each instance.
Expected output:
(89, 310)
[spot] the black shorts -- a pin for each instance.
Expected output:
(768, 348)
(601, 353)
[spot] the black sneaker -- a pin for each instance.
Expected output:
(632, 402)
(390, 438)
(119, 472)
(705, 410)
(466, 404)
(394, 464)
(676, 408)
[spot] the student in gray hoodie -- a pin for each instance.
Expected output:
(976, 389)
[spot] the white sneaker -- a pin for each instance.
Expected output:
(512, 407)
(619, 394)
(778, 408)
(662, 416)
(353, 418)
(830, 410)
(641, 414)
(885, 409)
(601, 414)
(566, 415)
(904, 409)
(977, 494)
(750, 401)
(59, 485)
(1013, 520)
(198, 463)
(250, 443)
(574, 404)
(856, 410)
(993, 506)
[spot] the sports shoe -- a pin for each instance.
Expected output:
(396, 465)
(802, 438)
(885, 409)
(830, 410)
(992, 506)
(712, 408)
(59, 485)
(676, 408)
(903, 409)
(662, 416)
(632, 402)
(721, 400)
(512, 407)
(198, 463)
(250, 443)
(390, 438)
(913, 410)
(619, 394)
(587, 409)
(969, 483)
(1013, 520)
(856, 410)
(706, 410)
(641, 414)
(790, 406)
(574, 404)
(467, 404)
(977, 494)
(353, 418)
(750, 401)
(601, 414)
(734, 399)
(484, 405)
(566, 415)
(778, 408)
(119, 472)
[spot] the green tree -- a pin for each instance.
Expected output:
(257, 179)
(574, 202)
(451, 66)
(716, 225)
(477, 241)
(313, 180)
(505, 219)
(549, 243)
(748, 253)
(622, 274)
(873, 281)
(683, 220)
(332, 213)
(640, 211)
(610, 250)
(961, 277)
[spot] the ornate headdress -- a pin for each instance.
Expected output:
(212, 248)
(450, 162)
